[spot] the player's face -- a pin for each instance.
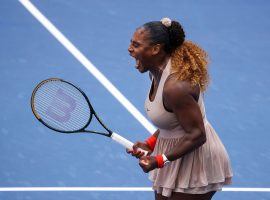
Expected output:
(141, 49)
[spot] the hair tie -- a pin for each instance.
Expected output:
(166, 22)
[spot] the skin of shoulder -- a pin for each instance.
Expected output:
(175, 89)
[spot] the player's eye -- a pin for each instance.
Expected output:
(134, 44)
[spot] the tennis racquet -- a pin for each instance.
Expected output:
(63, 107)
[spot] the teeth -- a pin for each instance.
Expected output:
(137, 62)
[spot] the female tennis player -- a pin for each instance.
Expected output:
(187, 160)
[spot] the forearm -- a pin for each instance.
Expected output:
(188, 143)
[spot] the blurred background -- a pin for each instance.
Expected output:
(234, 33)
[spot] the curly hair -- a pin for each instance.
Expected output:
(190, 63)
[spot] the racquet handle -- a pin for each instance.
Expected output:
(126, 143)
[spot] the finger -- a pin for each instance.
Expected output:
(134, 153)
(144, 161)
(129, 151)
(141, 154)
(136, 144)
(138, 154)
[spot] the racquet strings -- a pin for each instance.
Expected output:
(61, 106)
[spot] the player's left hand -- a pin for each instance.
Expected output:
(148, 163)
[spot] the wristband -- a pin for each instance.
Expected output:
(162, 160)
(151, 142)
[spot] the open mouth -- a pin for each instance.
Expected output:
(137, 65)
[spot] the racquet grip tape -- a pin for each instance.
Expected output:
(124, 142)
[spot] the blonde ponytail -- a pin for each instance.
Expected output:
(190, 63)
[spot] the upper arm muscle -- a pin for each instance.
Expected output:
(178, 97)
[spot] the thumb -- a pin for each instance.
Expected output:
(144, 160)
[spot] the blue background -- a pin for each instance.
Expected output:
(234, 33)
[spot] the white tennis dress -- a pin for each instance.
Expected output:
(205, 169)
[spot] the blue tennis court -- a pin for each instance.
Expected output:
(234, 33)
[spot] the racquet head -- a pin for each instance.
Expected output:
(61, 106)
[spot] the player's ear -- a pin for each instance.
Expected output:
(156, 49)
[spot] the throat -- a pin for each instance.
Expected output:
(157, 73)
(154, 87)
(153, 91)
(158, 68)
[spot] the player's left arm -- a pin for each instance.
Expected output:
(179, 97)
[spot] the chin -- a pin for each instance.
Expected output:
(142, 69)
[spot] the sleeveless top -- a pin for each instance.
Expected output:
(205, 169)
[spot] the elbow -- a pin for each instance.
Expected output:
(197, 138)
(201, 137)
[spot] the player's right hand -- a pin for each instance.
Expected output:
(136, 152)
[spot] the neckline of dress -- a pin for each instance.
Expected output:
(161, 79)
